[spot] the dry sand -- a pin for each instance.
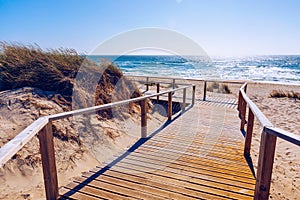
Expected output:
(22, 178)
(284, 113)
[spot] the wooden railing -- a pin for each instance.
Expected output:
(43, 127)
(148, 82)
(267, 142)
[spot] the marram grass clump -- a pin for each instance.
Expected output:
(281, 94)
(55, 71)
(219, 88)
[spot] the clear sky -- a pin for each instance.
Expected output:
(221, 27)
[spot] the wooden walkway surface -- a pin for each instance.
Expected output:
(198, 155)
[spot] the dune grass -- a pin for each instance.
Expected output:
(281, 94)
(55, 70)
(219, 88)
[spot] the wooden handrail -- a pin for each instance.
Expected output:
(262, 119)
(92, 110)
(267, 142)
(17, 143)
(147, 82)
(285, 135)
(187, 79)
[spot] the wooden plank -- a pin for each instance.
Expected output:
(175, 176)
(200, 147)
(201, 164)
(140, 184)
(66, 193)
(179, 150)
(115, 186)
(205, 160)
(198, 170)
(184, 170)
(95, 192)
(200, 141)
(17, 143)
(48, 162)
(248, 138)
(265, 165)
(211, 158)
(209, 151)
(137, 190)
(160, 187)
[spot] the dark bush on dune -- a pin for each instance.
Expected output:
(55, 71)
(30, 66)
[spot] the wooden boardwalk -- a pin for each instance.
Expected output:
(198, 155)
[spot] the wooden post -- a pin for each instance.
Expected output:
(143, 118)
(157, 90)
(239, 103)
(147, 83)
(194, 94)
(170, 106)
(184, 99)
(243, 114)
(204, 91)
(173, 84)
(265, 165)
(48, 162)
(249, 131)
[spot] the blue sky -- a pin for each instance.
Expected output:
(221, 27)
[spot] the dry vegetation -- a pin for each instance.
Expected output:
(54, 71)
(281, 93)
(219, 88)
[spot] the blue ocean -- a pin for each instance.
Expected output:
(284, 69)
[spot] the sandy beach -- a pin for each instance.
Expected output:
(282, 112)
